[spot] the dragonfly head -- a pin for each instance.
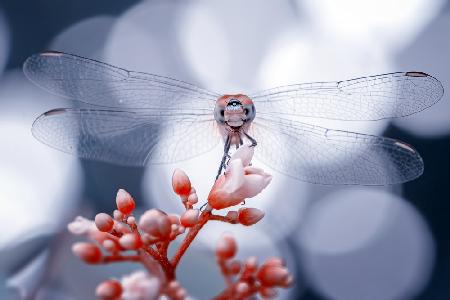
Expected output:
(234, 110)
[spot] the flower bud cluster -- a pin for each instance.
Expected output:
(249, 277)
(124, 237)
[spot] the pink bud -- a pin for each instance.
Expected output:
(272, 275)
(244, 153)
(180, 183)
(148, 239)
(251, 264)
(274, 261)
(124, 201)
(155, 223)
(81, 226)
(173, 286)
(288, 282)
(130, 241)
(121, 227)
(110, 246)
(267, 293)
(181, 294)
(104, 222)
(234, 267)
(250, 216)
(87, 252)
(174, 219)
(226, 247)
(131, 221)
(109, 290)
(118, 216)
(232, 215)
(190, 217)
(242, 288)
(193, 198)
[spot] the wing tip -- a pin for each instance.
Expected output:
(438, 83)
(51, 53)
(417, 74)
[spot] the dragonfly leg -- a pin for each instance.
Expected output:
(226, 149)
(254, 143)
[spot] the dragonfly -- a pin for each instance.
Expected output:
(133, 119)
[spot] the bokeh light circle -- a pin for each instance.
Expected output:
(85, 38)
(40, 185)
(365, 243)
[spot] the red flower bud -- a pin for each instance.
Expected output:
(232, 215)
(110, 246)
(242, 288)
(87, 252)
(190, 217)
(267, 293)
(272, 275)
(234, 267)
(109, 290)
(226, 247)
(130, 241)
(124, 201)
(104, 222)
(180, 183)
(155, 223)
(250, 216)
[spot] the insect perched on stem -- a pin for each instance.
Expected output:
(137, 118)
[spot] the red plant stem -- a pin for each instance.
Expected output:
(204, 217)
(168, 268)
(164, 247)
(224, 270)
(230, 293)
(118, 258)
(222, 219)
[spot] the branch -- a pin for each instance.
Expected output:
(204, 217)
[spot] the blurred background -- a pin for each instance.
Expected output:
(341, 242)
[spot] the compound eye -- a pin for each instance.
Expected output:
(246, 111)
(222, 112)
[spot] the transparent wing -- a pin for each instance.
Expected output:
(125, 137)
(319, 155)
(104, 85)
(367, 98)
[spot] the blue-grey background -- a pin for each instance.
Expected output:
(341, 242)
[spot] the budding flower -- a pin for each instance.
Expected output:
(110, 246)
(250, 216)
(87, 252)
(190, 217)
(118, 216)
(270, 275)
(192, 198)
(267, 293)
(251, 264)
(234, 267)
(121, 227)
(130, 241)
(124, 201)
(109, 290)
(232, 215)
(174, 219)
(155, 223)
(242, 288)
(226, 247)
(81, 226)
(104, 222)
(180, 183)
